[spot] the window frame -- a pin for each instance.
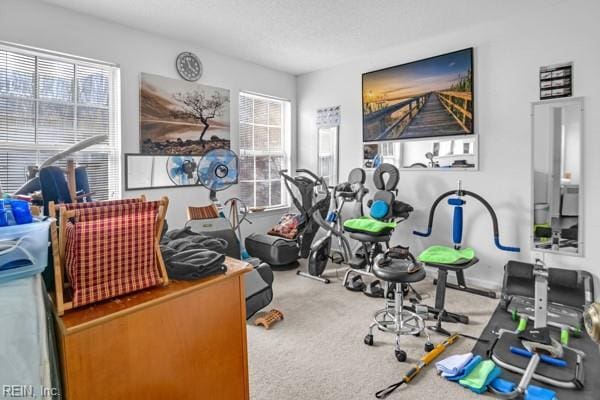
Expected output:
(112, 149)
(285, 152)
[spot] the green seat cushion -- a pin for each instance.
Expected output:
(542, 239)
(368, 225)
(446, 255)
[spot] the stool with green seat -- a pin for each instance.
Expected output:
(456, 259)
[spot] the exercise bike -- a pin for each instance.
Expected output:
(321, 252)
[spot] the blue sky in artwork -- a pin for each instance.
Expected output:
(408, 80)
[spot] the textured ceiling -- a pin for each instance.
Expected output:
(299, 36)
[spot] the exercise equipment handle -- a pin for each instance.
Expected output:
(557, 362)
(484, 202)
(284, 174)
(494, 222)
(427, 359)
(309, 173)
(286, 181)
(505, 248)
(432, 213)
(317, 180)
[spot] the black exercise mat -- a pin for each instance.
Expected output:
(501, 319)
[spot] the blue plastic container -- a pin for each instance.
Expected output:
(24, 250)
(3, 216)
(21, 211)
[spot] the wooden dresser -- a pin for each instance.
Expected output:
(183, 341)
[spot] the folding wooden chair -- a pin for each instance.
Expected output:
(106, 249)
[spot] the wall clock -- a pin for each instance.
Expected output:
(189, 66)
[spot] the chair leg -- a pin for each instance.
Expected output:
(440, 289)
(399, 320)
(393, 318)
(346, 276)
(462, 286)
(440, 301)
(417, 294)
(399, 301)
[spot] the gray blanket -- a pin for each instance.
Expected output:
(189, 255)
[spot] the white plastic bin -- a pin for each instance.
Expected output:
(23, 242)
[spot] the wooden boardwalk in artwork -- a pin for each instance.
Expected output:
(442, 113)
(433, 119)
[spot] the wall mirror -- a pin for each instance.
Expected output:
(152, 171)
(328, 132)
(440, 154)
(435, 155)
(328, 154)
(557, 173)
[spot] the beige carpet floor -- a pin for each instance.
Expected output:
(317, 351)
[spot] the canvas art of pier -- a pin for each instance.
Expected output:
(422, 99)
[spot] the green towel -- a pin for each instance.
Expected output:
(368, 225)
(446, 255)
(478, 377)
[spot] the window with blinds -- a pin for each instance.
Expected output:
(50, 102)
(264, 135)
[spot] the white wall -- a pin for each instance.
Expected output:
(508, 55)
(40, 25)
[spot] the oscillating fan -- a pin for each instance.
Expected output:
(182, 170)
(217, 170)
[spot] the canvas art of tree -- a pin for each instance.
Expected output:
(180, 117)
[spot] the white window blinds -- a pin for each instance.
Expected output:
(50, 102)
(264, 135)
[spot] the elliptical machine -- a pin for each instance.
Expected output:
(314, 198)
(321, 251)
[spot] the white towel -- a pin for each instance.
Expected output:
(454, 364)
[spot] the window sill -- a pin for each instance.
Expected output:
(270, 211)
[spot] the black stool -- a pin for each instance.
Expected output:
(439, 310)
(394, 317)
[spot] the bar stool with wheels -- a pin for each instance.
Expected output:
(394, 318)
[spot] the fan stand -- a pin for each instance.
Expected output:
(235, 221)
(213, 170)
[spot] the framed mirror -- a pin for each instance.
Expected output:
(440, 154)
(328, 154)
(557, 174)
(446, 154)
(156, 171)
